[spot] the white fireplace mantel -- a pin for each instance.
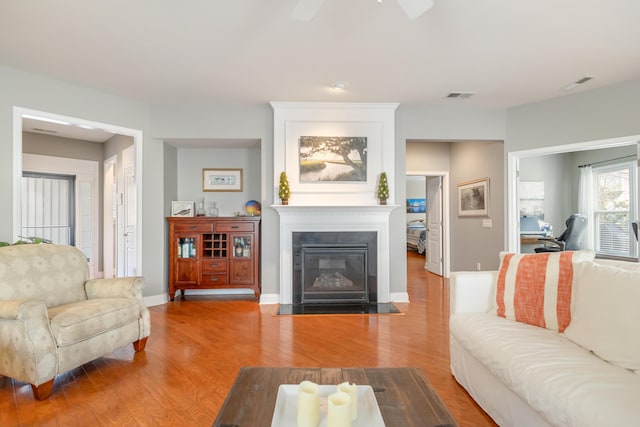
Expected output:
(333, 218)
(333, 206)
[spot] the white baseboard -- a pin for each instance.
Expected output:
(399, 297)
(155, 300)
(152, 300)
(270, 299)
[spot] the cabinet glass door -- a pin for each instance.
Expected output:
(186, 247)
(242, 246)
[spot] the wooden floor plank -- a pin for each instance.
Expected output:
(198, 345)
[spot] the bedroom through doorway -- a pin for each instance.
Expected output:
(425, 219)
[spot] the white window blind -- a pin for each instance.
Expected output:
(48, 207)
(614, 209)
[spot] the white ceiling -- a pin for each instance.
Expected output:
(510, 52)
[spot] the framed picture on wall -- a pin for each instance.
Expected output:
(221, 179)
(181, 208)
(473, 198)
(416, 205)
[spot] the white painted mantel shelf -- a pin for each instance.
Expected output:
(302, 218)
(334, 210)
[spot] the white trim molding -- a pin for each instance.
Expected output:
(375, 121)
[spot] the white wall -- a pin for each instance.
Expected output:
(25, 90)
(588, 116)
(455, 123)
(599, 114)
(191, 162)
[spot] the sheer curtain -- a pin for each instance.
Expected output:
(585, 202)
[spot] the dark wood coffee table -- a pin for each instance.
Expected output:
(404, 396)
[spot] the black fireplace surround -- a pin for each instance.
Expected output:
(334, 268)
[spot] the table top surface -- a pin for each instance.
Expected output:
(404, 396)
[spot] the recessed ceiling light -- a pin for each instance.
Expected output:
(339, 86)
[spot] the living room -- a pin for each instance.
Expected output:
(602, 110)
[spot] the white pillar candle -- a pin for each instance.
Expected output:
(352, 391)
(308, 404)
(339, 411)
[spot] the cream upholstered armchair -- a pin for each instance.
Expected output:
(53, 318)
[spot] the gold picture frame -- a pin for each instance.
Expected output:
(222, 179)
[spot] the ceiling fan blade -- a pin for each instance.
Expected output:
(415, 8)
(305, 10)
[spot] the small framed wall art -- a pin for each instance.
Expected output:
(473, 198)
(221, 179)
(181, 208)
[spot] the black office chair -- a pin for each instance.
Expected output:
(634, 226)
(572, 239)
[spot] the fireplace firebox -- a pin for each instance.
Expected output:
(334, 268)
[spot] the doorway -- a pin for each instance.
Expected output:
(437, 257)
(78, 125)
(514, 160)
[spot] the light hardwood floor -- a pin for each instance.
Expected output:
(197, 346)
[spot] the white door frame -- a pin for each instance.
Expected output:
(110, 171)
(18, 112)
(446, 233)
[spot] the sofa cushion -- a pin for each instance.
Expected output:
(606, 313)
(75, 322)
(565, 383)
(54, 274)
(536, 288)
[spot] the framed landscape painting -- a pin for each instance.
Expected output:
(333, 159)
(416, 205)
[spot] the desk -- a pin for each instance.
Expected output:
(532, 240)
(528, 243)
(404, 396)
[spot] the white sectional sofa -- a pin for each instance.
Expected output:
(586, 373)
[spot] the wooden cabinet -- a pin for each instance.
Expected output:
(214, 253)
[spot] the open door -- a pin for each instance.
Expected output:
(434, 225)
(129, 225)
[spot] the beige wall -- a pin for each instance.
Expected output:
(471, 243)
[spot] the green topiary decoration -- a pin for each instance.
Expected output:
(283, 189)
(383, 189)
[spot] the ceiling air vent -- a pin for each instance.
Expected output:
(43, 130)
(460, 95)
(577, 83)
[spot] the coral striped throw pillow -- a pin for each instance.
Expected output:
(536, 288)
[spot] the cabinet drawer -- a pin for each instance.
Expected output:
(214, 279)
(214, 264)
(193, 227)
(235, 226)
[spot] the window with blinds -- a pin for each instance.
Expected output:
(615, 208)
(48, 207)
